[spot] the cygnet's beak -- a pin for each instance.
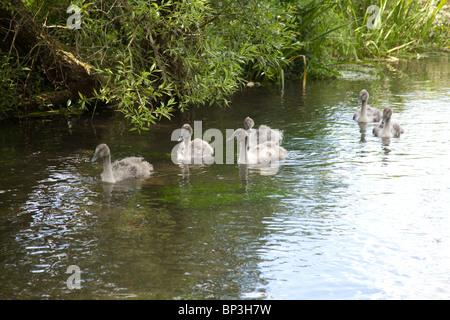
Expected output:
(95, 157)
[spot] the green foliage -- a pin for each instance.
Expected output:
(334, 31)
(405, 26)
(159, 56)
(16, 84)
(314, 23)
(11, 77)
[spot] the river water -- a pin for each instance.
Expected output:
(345, 216)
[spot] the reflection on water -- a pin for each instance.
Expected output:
(345, 216)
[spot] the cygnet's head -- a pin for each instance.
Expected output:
(239, 134)
(186, 132)
(248, 123)
(387, 114)
(101, 151)
(363, 95)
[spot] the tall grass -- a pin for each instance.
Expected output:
(405, 25)
(332, 31)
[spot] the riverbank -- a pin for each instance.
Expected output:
(154, 61)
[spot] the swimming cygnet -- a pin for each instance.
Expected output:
(263, 153)
(262, 134)
(195, 149)
(387, 128)
(366, 113)
(127, 168)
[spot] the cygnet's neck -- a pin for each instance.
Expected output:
(107, 175)
(386, 133)
(363, 114)
(243, 147)
(187, 149)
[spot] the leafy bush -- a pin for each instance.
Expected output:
(161, 56)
